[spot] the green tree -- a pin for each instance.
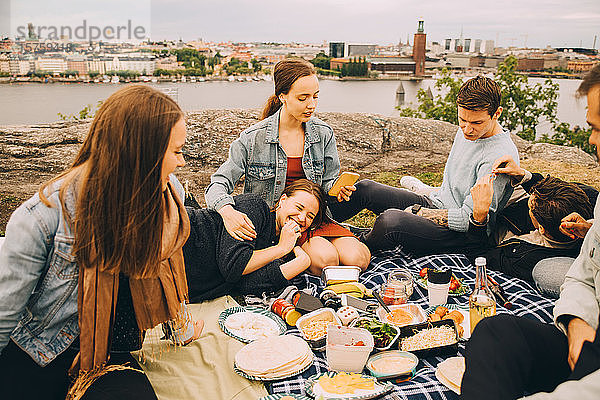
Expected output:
(322, 61)
(256, 65)
(566, 136)
(442, 107)
(525, 104)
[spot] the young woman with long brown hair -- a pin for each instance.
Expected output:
(288, 144)
(95, 258)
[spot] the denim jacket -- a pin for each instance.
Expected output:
(258, 156)
(39, 276)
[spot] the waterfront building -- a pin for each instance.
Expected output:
(336, 49)
(167, 63)
(489, 47)
(477, 46)
(458, 60)
(419, 43)
(54, 63)
(6, 45)
(77, 63)
(447, 44)
(530, 64)
(392, 65)
(581, 66)
(338, 63)
(356, 50)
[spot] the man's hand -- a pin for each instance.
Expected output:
(506, 165)
(237, 223)
(578, 331)
(482, 194)
(345, 193)
(574, 226)
(290, 232)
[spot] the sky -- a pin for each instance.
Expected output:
(534, 23)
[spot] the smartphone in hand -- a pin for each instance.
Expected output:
(345, 179)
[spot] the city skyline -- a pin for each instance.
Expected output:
(535, 23)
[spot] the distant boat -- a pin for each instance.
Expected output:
(96, 80)
(231, 78)
(240, 79)
(146, 78)
(248, 79)
(183, 79)
(255, 78)
(114, 79)
(201, 79)
(106, 79)
(154, 79)
(174, 80)
(193, 79)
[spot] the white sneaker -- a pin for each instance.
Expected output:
(415, 185)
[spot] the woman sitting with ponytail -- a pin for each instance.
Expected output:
(288, 144)
(95, 258)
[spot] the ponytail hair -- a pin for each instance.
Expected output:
(285, 73)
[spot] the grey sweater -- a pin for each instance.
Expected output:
(468, 161)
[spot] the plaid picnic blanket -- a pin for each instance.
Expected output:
(527, 302)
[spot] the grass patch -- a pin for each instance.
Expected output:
(366, 218)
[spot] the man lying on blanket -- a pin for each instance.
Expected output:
(536, 234)
(508, 356)
(437, 222)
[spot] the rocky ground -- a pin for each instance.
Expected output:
(380, 148)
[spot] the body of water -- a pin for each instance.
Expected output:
(32, 103)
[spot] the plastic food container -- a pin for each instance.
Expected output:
(447, 350)
(326, 314)
(414, 309)
(401, 278)
(348, 348)
(340, 273)
(357, 321)
(375, 365)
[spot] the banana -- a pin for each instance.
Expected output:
(353, 288)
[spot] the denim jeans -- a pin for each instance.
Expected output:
(549, 274)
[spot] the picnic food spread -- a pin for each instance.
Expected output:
(354, 335)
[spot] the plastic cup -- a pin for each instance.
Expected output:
(438, 284)
(438, 293)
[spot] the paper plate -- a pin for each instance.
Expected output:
(379, 389)
(279, 396)
(464, 310)
(278, 322)
(260, 378)
(462, 290)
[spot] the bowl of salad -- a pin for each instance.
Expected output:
(384, 335)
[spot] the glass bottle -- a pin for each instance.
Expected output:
(481, 302)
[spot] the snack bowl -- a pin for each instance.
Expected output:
(418, 315)
(348, 348)
(373, 321)
(449, 349)
(393, 364)
(322, 314)
(340, 273)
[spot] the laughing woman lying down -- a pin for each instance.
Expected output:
(94, 259)
(217, 264)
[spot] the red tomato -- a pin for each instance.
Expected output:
(423, 272)
(454, 285)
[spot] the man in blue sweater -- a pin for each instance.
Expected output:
(438, 222)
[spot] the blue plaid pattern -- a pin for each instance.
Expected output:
(527, 302)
